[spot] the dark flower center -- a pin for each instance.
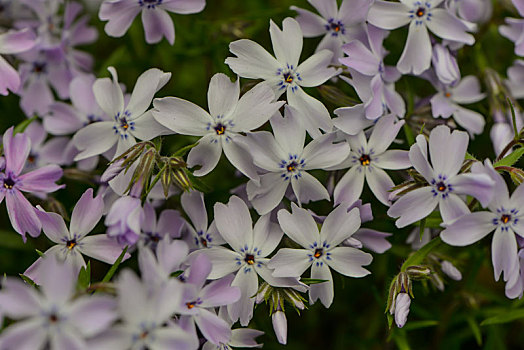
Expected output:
(505, 218)
(53, 318)
(335, 27)
(9, 183)
(191, 305)
(364, 159)
(71, 244)
(318, 253)
(441, 186)
(220, 129)
(39, 67)
(292, 166)
(123, 124)
(420, 12)
(250, 259)
(203, 242)
(288, 77)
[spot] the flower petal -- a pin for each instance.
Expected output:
(469, 229)
(158, 24)
(252, 61)
(287, 43)
(446, 26)
(349, 188)
(147, 84)
(290, 262)
(416, 57)
(206, 154)
(380, 184)
(234, 223)
(299, 226)
(349, 261)
(413, 206)
(222, 95)
(95, 139)
(323, 291)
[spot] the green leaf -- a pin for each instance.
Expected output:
(310, 281)
(470, 156)
(113, 268)
(182, 151)
(23, 125)
(511, 158)
(84, 277)
(475, 329)
(399, 336)
(513, 118)
(409, 134)
(417, 257)
(420, 324)
(28, 280)
(422, 227)
(40, 253)
(504, 317)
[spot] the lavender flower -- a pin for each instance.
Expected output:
(13, 42)
(402, 303)
(124, 220)
(157, 23)
(21, 213)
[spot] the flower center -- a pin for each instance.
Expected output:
(365, 160)
(447, 94)
(150, 4)
(505, 218)
(220, 129)
(53, 318)
(318, 253)
(420, 12)
(9, 183)
(71, 244)
(39, 67)
(441, 186)
(144, 335)
(250, 259)
(203, 242)
(291, 166)
(288, 77)
(191, 305)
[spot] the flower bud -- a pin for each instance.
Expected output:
(449, 269)
(262, 293)
(112, 171)
(280, 326)
(418, 272)
(445, 65)
(402, 303)
(437, 282)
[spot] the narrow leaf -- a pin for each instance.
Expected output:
(113, 268)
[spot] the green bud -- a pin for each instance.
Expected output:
(418, 272)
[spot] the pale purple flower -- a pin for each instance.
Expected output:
(130, 120)
(13, 42)
(198, 298)
(240, 338)
(505, 217)
(279, 321)
(124, 220)
(502, 132)
(170, 223)
(338, 25)
(145, 310)
(367, 161)
(514, 31)
(44, 152)
(199, 234)
(73, 243)
(515, 81)
(248, 257)
(155, 18)
(450, 270)
(229, 115)
(447, 101)
(421, 16)
(21, 213)
(371, 78)
(476, 11)
(286, 161)
(321, 249)
(284, 74)
(50, 315)
(402, 303)
(445, 185)
(445, 65)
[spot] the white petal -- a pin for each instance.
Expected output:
(290, 262)
(315, 115)
(322, 153)
(237, 152)
(340, 225)
(222, 95)
(380, 183)
(299, 226)
(222, 260)
(181, 116)
(252, 60)
(243, 309)
(314, 71)
(413, 206)
(147, 84)
(323, 291)
(307, 188)
(95, 139)
(206, 154)
(147, 128)
(287, 43)
(416, 57)
(289, 131)
(194, 207)
(349, 261)
(388, 15)
(469, 229)
(269, 194)
(452, 207)
(108, 94)
(234, 223)
(350, 186)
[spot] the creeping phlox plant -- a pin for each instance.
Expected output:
(367, 144)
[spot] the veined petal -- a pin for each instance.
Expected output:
(323, 291)
(416, 57)
(479, 186)
(314, 114)
(223, 261)
(289, 262)
(95, 139)
(469, 229)
(206, 154)
(380, 184)
(447, 150)
(266, 196)
(287, 43)
(147, 84)
(41, 180)
(384, 133)
(349, 261)
(452, 207)
(299, 226)
(327, 8)
(22, 214)
(360, 58)
(108, 94)
(307, 188)
(53, 226)
(16, 150)
(350, 186)
(252, 60)
(504, 253)
(234, 223)
(388, 15)
(315, 71)
(289, 132)
(158, 24)
(322, 153)
(446, 26)
(182, 116)
(222, 95)
(340, 224)
(413, 206)
(266, 235)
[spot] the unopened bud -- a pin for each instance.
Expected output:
(449, 269)
(517, 176)
(165, 179)
(402, 304)
(295, 298)
(181, 179)
(418, 272)
(437, 282)
(177, 162)
(112, 171)
(263, 293)
(280, 326)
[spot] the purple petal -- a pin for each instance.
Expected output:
(199, 270)
(479, 186)
(22, 214)
(446, 26)
(16, 150)
(373, 240)
(57, 280)
(53, 226)
(413, 206)
(220, 292)
(350, 186)
(311, 24)
(93, 315)
(120, 15)
(86, 214)
(287, 43)
(158, 24)
(213, 328)
(9, 78)
(17, 41)
(18, 300)
(504, 254)
(103, 248)
(42, 179)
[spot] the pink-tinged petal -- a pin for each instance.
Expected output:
(120, 15)
(469, 229)
(384, 133)
(311, 24)
(373, 240)
(446, 26)
(504, 254)
(194, 207)
(27, 335)
(269, 194)
(170, 255)
(223, 95)
(479, 186)
(170, 223)
(17, 41)
(290, 262)
(252, 60)
(53, 226)
(451, 208)
(181, 116)
(315, 71)
(147, 84)
(237, 152)
(519, 4)
(470, 120)
(287, 43)
(42, 179)
(393, 159)
(314, 114)
(349, 261)
(108, 94)
(380, 184)
(351, 120)
(467, 90)
(350, 186)
(206, 154)
(16, 150)
(213, 328)
(223, 261)
(158, 24)
(266, 235)
(184, 6)
(22, 214)
(322, 153)
(147, 127)
(360, 58)
(57, 280)
(413, 206)
(388, 15)
(340, 224)
(246, 280)
(442, 106)
(9, 78)
(103, 248)
(447, 150)
(18, 300)
(94, 314)
(199, 270)
(234, 223)
(220, 292)
(416, 57)
(323, 291)
(307, 188)
(255, 108)
(299, 225)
